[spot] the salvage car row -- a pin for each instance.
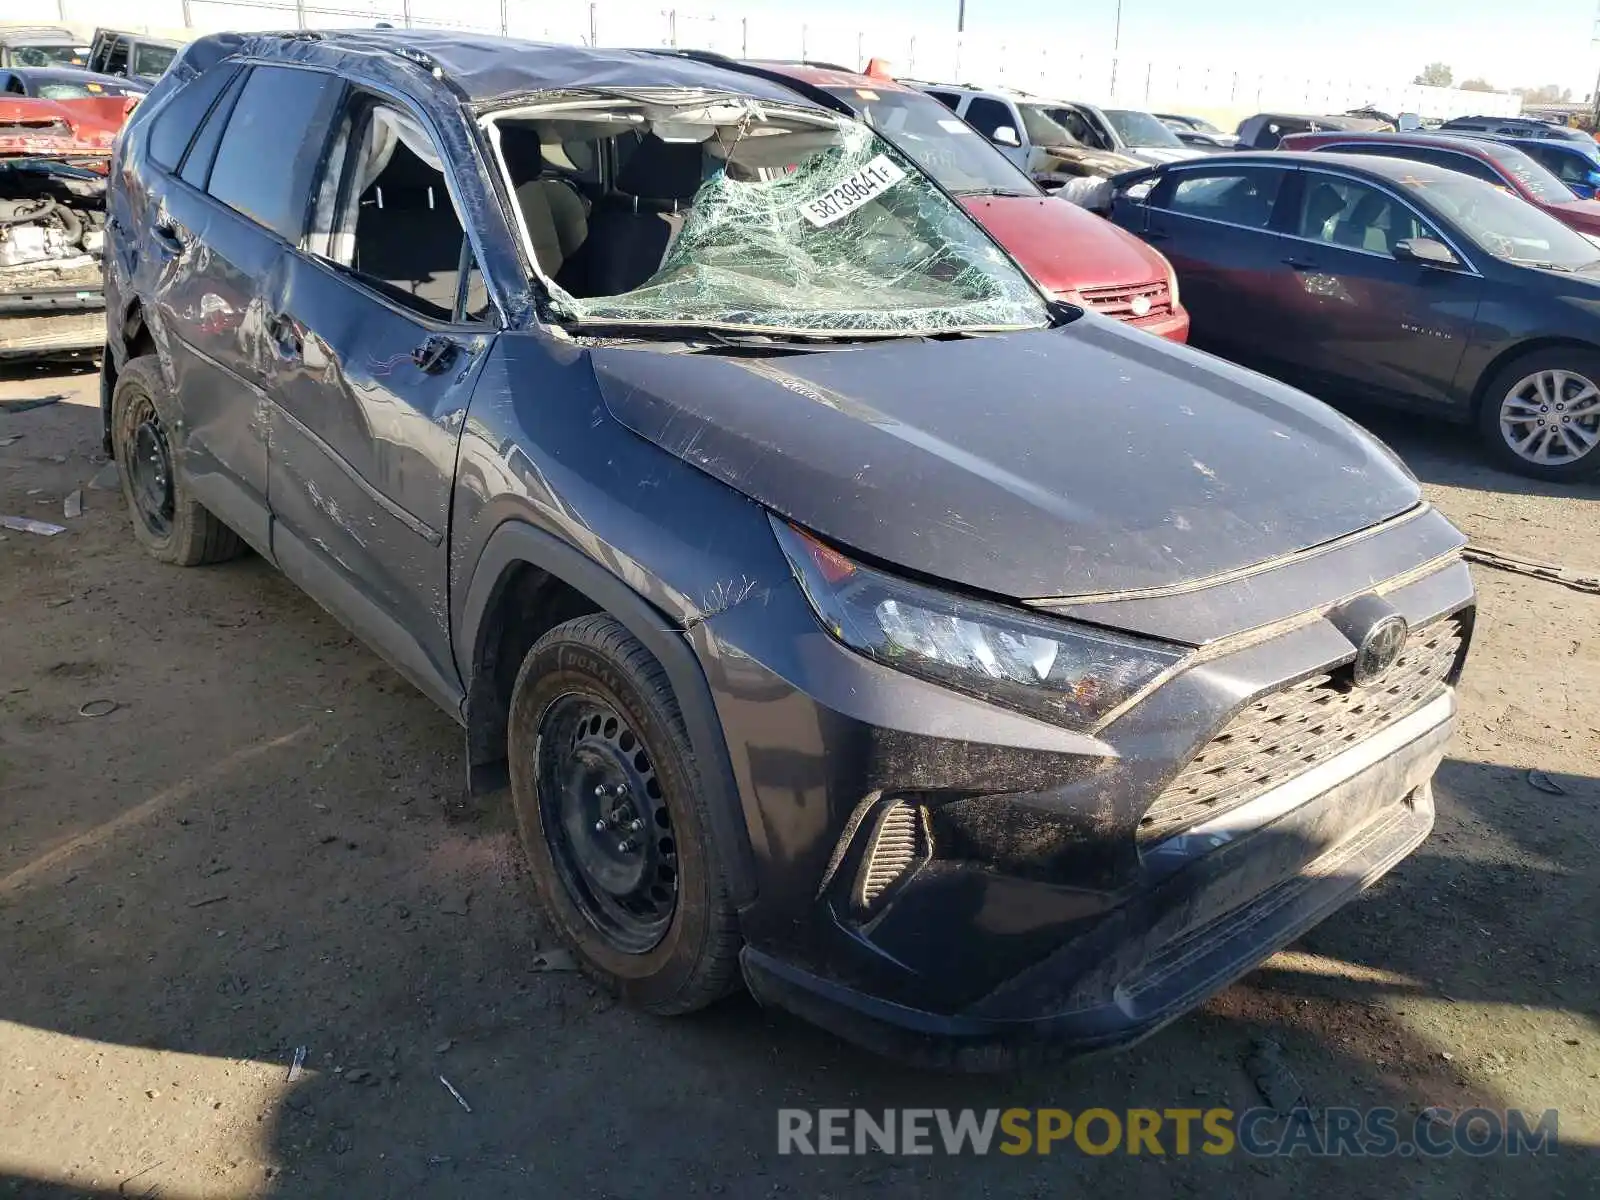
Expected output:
(846, 609)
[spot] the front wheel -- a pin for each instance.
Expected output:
(612, 815)
(1540, 414)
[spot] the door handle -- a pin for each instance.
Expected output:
(1300, 264)
(285, 335)
(434, 355)
(166, 235)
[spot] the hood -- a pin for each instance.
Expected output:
(1065, 247)
(1087, 459)
(1161, 155)
(1582, 215)
(1080, 160)
(86, 126)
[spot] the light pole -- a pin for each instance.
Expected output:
(961, 16)
(1116, 45)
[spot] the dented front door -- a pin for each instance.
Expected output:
(369, 401)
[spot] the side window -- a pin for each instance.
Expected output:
(1568, 167)
(1342, 212)
(150, 62)
(197, 163)
(385, 212)
(948, 99)
(269, 152)
(171, 130)
(13, 84)
(1466, 164)
(117, 57)
(986, 115)
(1244, 196)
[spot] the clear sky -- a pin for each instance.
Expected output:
(1511, 43)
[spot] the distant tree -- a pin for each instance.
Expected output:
(1436, 74)
(1477, 85)
(1550, 93)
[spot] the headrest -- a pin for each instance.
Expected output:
(660, 170)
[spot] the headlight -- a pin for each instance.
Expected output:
(1070, 675)
(1172, 286)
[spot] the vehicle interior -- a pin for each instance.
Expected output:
(389, 218)
(603, 200)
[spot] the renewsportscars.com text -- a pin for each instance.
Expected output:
(1261, 1132)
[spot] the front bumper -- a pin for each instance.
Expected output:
(51, 321)
(1173, 326)
(1024, 896)
(1230, 892)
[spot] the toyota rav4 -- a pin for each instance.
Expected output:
(968, 672)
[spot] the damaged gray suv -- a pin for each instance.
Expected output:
(967, 673)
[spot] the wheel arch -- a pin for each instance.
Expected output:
(1510, 354)
(528, 581)
(131, 337)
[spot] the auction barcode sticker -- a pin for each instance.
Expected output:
(844, 198)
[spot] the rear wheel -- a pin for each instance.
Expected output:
(1540, 414)
(172, 525)
(611, 810)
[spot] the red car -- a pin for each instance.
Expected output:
(1494, 162)
(1069, 251)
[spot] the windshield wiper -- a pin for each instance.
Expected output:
(990, 191)
(1564, 268)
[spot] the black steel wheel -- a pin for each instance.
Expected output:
(613, 819)
(150, 466)
(607, 822)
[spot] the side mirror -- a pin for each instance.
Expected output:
(1004, 135)
(1426, 251)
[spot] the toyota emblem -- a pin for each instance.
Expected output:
(1380, 649)
(1141, 306)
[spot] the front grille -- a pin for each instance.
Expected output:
(1288, 732)
(1119, 302)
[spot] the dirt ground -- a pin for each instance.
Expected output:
(262, 848)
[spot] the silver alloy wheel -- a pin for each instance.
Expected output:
(1551, 418)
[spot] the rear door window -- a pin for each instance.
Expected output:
(986, 115)
(171, 131)
(269, 153)
(1242, 196)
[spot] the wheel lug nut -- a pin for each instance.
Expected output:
(600, 826)
(626, 846)
(635, 825)
(599, 791)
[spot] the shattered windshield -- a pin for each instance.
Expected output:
(723, 213)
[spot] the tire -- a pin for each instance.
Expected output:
(183, 533)
(560, 740)
(1515, 390)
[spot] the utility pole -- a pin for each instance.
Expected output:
(1116, 46)
(961, 16)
